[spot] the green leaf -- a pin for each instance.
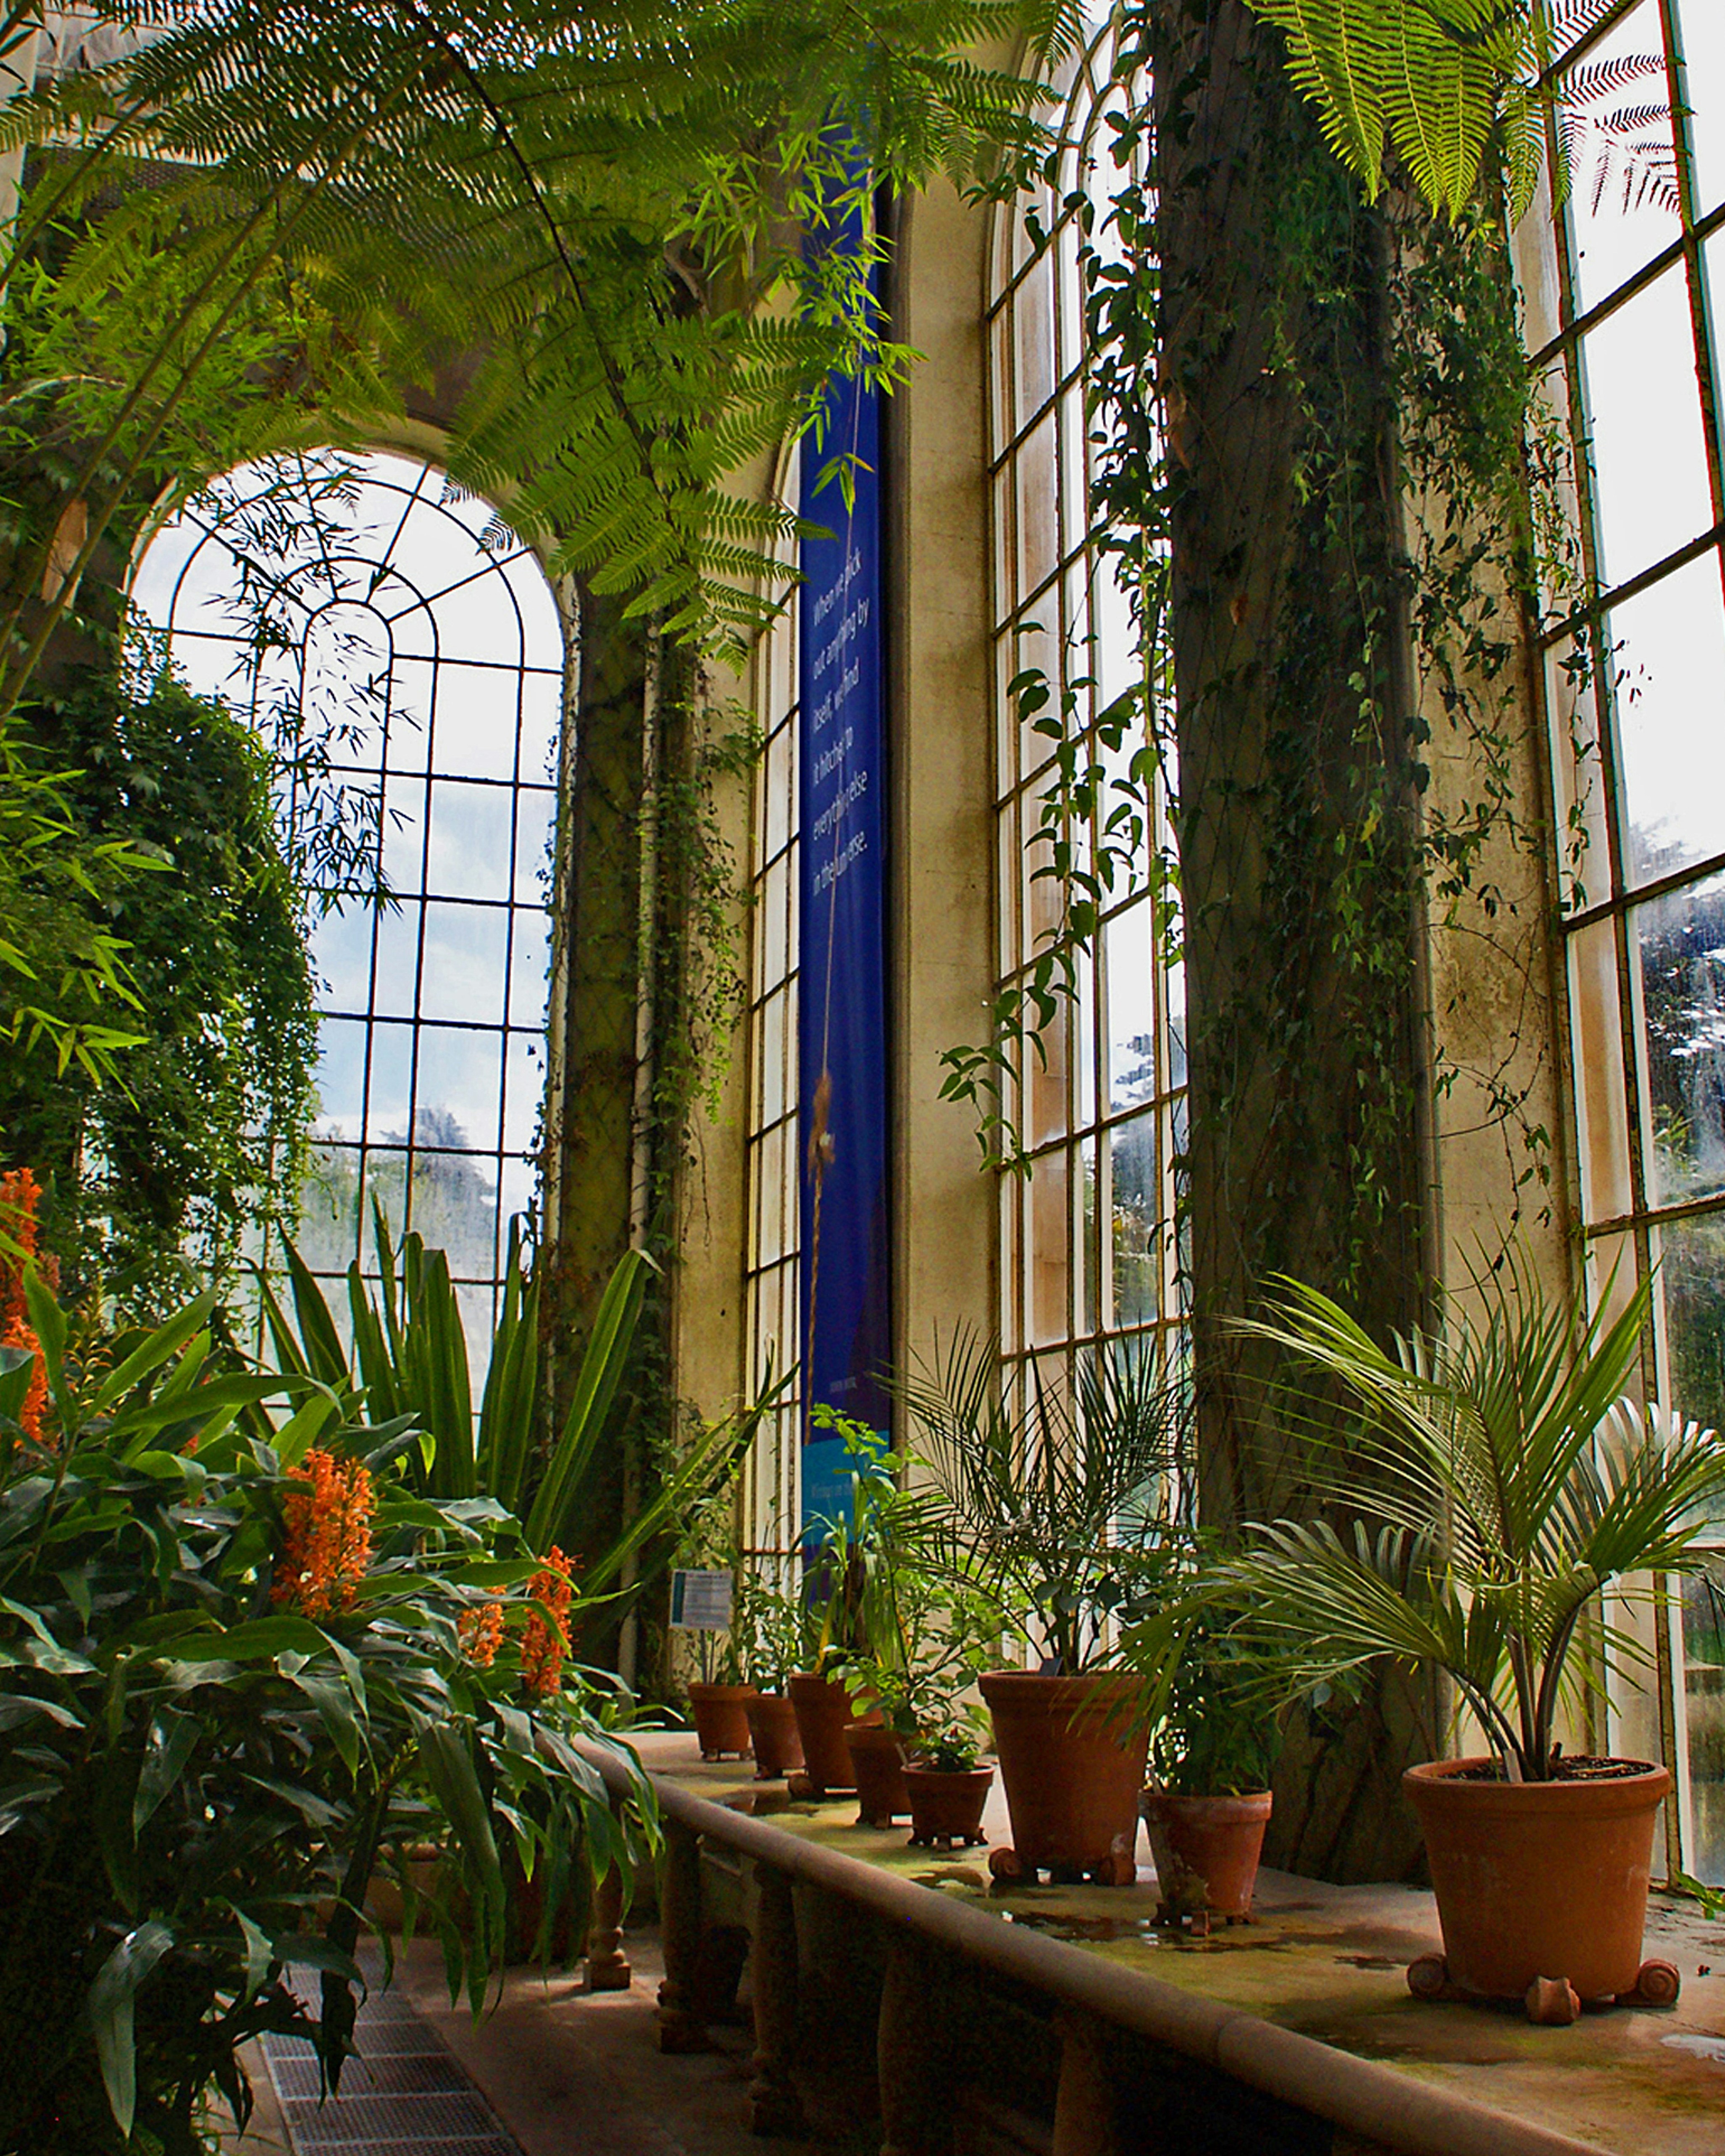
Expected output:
(172, 1739)
(596, 1384)
(110, 2006)
(258, 1639)
(445, 1756)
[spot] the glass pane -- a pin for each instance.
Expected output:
(1089, 1316)
(464, 974)
(392, 1079)
(454, 1207)
(1033, 329)
(1668, 663)
(341, 958)
(404, 836)
(1622, 199)
(327, 1233)
(397, 978)
(1038, 540)
(461, 1089)
(1131, 1006)
(1704, 1703)
(1681, 940)
(469, 851)
(1050, 1247)
(1702, 31)
(1137, 1209)
(1691, 1279)
(529, 966)
(1649, 453)
(534, 813)
(523, 1093)
(473, 732)
(341, 1076)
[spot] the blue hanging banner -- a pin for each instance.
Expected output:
(842, 945)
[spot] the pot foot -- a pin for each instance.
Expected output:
(805, 1786)
(1006, 1867)
(1657, 1984)
(1553, 2003)
(948, 1842)
(1429, 1978)
(879, 1819)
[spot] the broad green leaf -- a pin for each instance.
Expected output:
(110, 2006)
(172, 1739)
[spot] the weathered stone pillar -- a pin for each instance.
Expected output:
(774, 2106)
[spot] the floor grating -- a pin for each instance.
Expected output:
(404, 2095)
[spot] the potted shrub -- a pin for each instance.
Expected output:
(935, 1640)
(768, 1627)
(948, 1786)
(1212, 1742)
(1500, 1481)
(1059, 1513)
(848, 1590)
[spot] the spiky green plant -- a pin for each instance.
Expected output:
(1499, 1483)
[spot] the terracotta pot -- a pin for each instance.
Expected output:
(1206, 1849)
(773, 1727)
(877, 1761)
(1072, 1766)
(1539, 1879)
(824, 1711)
(947, 1805)
(722, 1722)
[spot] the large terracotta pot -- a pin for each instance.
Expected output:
(877, 1761)
(772, 1729)
(824, 1711)
(721, 1723)
(1072, 1765)
(1206, 1849)
(1539, 1879)
(947, 1805)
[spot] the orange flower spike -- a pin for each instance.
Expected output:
(480, 1632)
(19, 1335)
(544, 1646)
(328, 1544)
(19, 1192)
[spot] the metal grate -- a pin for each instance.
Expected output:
(403, 2093)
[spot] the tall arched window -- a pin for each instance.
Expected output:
(1622, 283)
(1088, 1242)
(403, 651)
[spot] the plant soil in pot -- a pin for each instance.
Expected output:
(1540, 1880)
(1206, 1850)
(947, 1806)
(721, 1723)
(1073, 1766)
(877, 1761)
(772, 1729)
(824, 1710)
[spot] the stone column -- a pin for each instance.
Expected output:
(682, 2026)
(774, 2106)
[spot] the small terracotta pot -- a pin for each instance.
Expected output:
(772, 1727)
(947, 1805)
(1072, 1766)
(1539, 1879)
(824, 1711)
(1206, 1849)
(722, 1718)
(877, 1761)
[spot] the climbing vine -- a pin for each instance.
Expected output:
(1474, 538)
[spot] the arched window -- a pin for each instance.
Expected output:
(1088, 1244)
(1622, 283)
(403, 650)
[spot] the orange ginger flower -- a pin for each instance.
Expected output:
(480, 1632)
(19, 1192)
(543, 1646)
(329, 1537)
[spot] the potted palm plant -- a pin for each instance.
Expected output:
(1060, 1510)
(1500, 1483)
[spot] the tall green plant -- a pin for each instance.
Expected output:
(410, 1357)
(1499, 1483)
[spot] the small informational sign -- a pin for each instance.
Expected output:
(701, 1601)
